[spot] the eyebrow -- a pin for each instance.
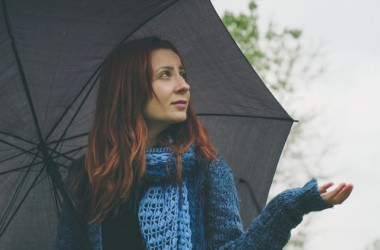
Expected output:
(181, 67)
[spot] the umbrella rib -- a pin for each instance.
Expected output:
(69, 152)
(30, 166)
(14, 197)
(69, 138)
(82, 234)
(89, 81)
(42, 145)
(64, 154)
(12, 157)
(20, 168)
(34, 164)
(95, 74)
(58, 154)
(19, 148)
(248, 63)
(17, 137)
(143, 23)
(249, 116)
(21, 202)
(21, 69)
(30, 151)
(15, 146)
(251, 194)
(75, 114)
(12, 201)
(55, 194)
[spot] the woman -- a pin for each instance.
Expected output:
(151, 179)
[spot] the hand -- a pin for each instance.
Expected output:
(336, 196)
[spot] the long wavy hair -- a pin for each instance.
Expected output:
(115, 158)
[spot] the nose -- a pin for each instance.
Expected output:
(182, 85)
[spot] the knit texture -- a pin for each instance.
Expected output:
(164, 210)
(270, 230)
(214, 209)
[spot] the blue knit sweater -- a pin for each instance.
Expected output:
(214, 212)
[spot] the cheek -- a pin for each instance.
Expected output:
(162, 91)
(153, 109)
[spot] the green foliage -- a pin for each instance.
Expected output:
(277, 55)
(272, 53)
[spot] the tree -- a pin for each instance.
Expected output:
(285, 66)
(374, 245)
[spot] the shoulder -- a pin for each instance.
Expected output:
(219, 168)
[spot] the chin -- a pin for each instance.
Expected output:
(179, 119)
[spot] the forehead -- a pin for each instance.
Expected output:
(165, 57)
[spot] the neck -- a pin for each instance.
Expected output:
(153, 135)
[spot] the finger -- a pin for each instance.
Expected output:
(324, 187)
(330, 195)
(343, 194)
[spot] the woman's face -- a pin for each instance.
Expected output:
(172, 92)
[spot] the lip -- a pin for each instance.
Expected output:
(180, 104)
(183, 102)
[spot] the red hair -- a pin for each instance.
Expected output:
(117, 140)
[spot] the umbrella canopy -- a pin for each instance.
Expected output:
(51, 52)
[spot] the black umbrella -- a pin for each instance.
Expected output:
(50, 55)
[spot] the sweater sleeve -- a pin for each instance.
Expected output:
(70, 235)
(270, 230)
(67, 233)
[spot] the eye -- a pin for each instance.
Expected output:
(165, 74)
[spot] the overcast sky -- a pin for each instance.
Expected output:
(348, 95)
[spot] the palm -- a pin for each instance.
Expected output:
(337, 195)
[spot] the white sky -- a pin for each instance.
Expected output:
(348, 93)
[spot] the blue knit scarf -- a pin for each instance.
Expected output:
(163, 211)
